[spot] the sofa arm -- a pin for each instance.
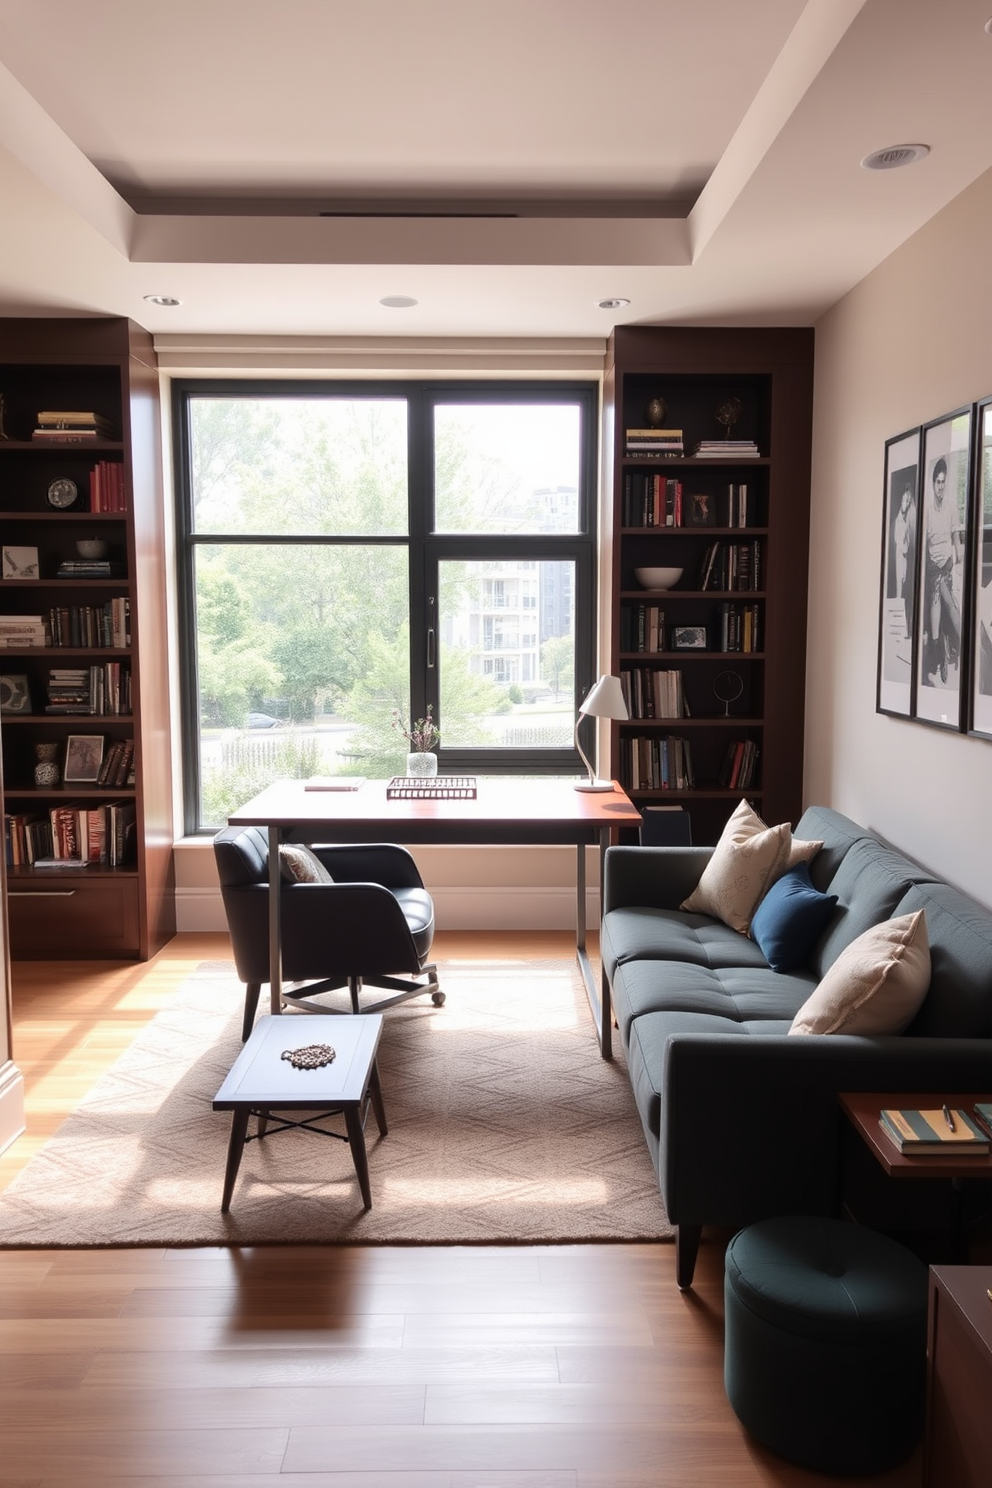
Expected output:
(750, 1126)
(655, 877)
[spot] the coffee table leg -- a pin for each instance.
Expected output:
(375, 1090)
(236, 1146)
(356, 1139)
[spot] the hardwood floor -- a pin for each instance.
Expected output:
(345, 1367)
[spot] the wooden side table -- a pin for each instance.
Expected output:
(862, 1110)
(263, 1084)
(958, 1448)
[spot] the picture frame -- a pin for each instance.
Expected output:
(900, 572)
(83, 758)
(941, 642)
(15, 693)
(980, 711)
(700, 509)
(19, 562)
(689, 638)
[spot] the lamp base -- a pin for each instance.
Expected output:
(593, 785)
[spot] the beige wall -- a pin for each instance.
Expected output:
(911, 342)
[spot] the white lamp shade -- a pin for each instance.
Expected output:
(605, 699)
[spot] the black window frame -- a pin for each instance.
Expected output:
(426, 548)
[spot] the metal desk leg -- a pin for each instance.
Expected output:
(599, 1005)
(275, 924)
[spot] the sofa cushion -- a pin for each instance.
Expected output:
(642, 933)
(876, 985)
(736, 994)
(746, 861)
(836, 833)
(959, 1002)
(790, 919)
(869, 884)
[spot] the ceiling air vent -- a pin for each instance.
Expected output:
(893, 156)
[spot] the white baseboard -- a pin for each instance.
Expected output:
(454, 909)
(11, 1104)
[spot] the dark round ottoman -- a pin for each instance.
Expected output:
(825, 1353)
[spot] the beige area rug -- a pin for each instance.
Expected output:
(505, 1126)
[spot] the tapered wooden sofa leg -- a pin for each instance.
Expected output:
(686, 1249)
(251, 1006)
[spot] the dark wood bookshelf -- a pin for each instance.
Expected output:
(106, 366)
(770, 374)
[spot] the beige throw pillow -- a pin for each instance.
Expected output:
(746, 862)
(300, 865)
(876, 985)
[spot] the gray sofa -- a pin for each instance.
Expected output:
(742, 1121)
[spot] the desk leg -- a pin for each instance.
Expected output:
(275, 924)
(599, 1005)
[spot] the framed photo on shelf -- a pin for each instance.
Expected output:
(689, 638)
(15, 695)
(943, 566)
(700, 509)
(83, 758)
(900, 575)
(19, 563)
(981, 650)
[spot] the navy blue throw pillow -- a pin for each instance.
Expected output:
(790, 919)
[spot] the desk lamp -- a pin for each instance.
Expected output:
(604, 700)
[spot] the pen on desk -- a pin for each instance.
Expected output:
(949, 1119)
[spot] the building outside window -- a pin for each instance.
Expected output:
(350, 552)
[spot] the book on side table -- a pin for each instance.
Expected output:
(934, 1131)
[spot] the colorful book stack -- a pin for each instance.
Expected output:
(651, 692)
(107, 487)
(653, 444)
(651, 500)
(72, 426)
(92, 625)
(104, 688)
(927, 1133)
(651, 763)
(740, 627)
(20, 632)
(740, 765)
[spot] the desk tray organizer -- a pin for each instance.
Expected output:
(440, 788)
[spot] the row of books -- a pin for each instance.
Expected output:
(107, 487)
(952, 1133)
(740, 628)
(71, 835)
(72, 426)
(653, 444)
(22, 632)
(654, 692)
(642, 627)
(740, 765)
(104, 688)
(117, 768)
(108, 624)
(652, 763)
(654, 500)
(732, 566)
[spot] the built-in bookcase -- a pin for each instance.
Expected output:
(83, 641)
(727, 640)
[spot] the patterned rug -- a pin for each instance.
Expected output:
(505, 1126)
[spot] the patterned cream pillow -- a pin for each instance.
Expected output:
(300, 865)
(746, 862)
(876, 985)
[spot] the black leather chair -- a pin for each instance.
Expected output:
(373, 921)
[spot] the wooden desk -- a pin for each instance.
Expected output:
(506, 811)
(958, 1449)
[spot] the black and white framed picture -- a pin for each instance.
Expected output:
(83, 758)
(900, 575)
(15, 694)
(944, 558)
(981, 651)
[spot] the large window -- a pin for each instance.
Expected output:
(354, 554)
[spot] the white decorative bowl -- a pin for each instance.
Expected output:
(657, 578)
(92, 547)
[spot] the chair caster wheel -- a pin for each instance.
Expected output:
(437, 998)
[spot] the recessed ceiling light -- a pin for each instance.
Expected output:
(893, 156)
(618, 303)
(398, 302)
(162, 300)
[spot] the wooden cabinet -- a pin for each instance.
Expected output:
(958, 1447)
(732, 641)
(102, 627)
